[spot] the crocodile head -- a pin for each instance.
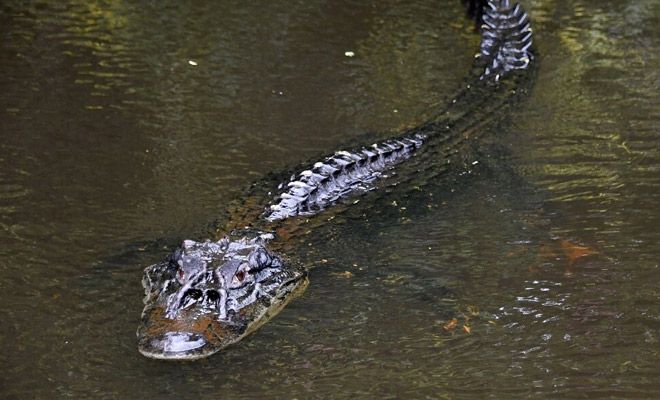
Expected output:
(208, 295)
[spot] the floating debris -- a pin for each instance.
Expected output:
(345, 274)
(451, 324)
(573, 251)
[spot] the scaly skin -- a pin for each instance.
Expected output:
(208, 295)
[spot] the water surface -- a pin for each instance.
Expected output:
(127, 126)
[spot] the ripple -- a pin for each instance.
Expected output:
(112, 139)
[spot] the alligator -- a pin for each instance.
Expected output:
(209, 294)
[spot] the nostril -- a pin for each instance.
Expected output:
(212, 295)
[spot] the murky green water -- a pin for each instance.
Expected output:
(534, 276)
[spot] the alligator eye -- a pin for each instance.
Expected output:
(240, 275)
(212, 295)
(194, 293)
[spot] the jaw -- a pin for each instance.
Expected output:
(193, 335)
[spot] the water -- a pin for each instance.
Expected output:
(533, 276)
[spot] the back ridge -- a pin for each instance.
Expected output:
(505, 42)
(505, 39)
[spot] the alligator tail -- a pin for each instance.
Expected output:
(505, 47)
(506, 39)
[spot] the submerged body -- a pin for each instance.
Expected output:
(208, 295)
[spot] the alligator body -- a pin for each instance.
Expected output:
(210, 294)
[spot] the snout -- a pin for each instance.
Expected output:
(175, 346)
(186, 337)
